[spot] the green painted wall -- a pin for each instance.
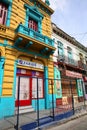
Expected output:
(57, 83)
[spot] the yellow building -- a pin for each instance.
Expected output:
(25, 49)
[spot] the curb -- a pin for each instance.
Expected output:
(57, 123)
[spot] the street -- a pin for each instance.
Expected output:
(76, 124)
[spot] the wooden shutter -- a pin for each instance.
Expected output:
(3, 13)
(32, 24)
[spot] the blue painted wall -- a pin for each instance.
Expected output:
(41, 104)
(1, 73)
(7, 104)
(6, 107)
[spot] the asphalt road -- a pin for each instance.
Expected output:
(76, 124)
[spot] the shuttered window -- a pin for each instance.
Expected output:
(33, 24)
(60, 49)
(3, 13)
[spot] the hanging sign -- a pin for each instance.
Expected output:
(30, 64)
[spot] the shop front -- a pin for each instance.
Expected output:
(30, 80)
(73, 85)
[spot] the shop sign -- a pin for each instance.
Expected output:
(30, 64)
(73, 74)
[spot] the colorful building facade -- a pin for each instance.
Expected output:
(71, 63)
(25, 50)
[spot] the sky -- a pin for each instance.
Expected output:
(71, 17)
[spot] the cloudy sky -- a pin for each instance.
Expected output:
(71, 17)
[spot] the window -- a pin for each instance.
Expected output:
(86, 60)
(81, 57)
(40, 88)
(69, 50)
(33, 18)
(60, 49)
(3, 13)
(33, 24)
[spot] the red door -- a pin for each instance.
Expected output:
(25, 91)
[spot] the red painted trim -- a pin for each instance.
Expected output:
(26, 102)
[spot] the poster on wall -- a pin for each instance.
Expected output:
(79, 86)
(34, 88)
(58, 89)
(24, 88)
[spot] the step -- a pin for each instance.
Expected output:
(24, 109)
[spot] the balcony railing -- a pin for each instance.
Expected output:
(82, 65)
(65, 59)
(35, 35)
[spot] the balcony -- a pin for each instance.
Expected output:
(72, 62)
(39, 41)
(65, 59)
(82, 65)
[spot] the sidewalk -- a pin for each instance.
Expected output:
(56, 123)
(8, 123)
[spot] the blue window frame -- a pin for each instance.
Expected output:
(33, 24)
(70, 57)
(34, 18)
(5, 12)
(60, 49)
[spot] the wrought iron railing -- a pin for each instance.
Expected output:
(65, 59)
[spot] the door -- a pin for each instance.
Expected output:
(40, 88)
(25, 91)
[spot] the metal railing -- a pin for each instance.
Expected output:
(69, 105)
(65, 59)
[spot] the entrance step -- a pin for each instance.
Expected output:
(24, 109)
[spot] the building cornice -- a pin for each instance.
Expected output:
(41, 5)
(67, 37)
